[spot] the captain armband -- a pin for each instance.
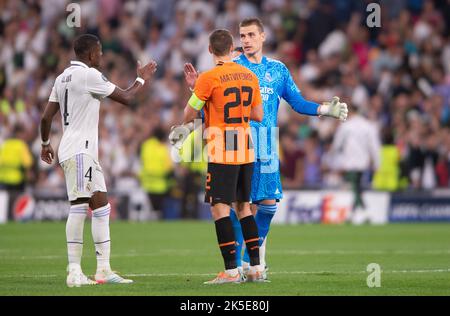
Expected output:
(196, 103)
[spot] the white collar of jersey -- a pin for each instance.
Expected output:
(78, 63)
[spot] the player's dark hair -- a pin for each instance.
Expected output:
(252, 21)
(221, 42)
(159, 133)
(387, 136)
(18, 128)
(84, 43)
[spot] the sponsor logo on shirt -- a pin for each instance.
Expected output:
(266, 92)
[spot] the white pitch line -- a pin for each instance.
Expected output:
(443, 270)
(290, 272)
(356, 252)
(35, 276)
(418, 271)
(188, 252)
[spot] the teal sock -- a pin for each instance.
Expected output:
(237, 236)
(263, 218)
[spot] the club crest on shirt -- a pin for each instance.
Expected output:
(268, 77)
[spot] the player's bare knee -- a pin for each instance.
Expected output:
(243, 209)
(98, 199)
(253, 208)
(268, 202)
(220, 210)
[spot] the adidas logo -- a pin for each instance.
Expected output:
(277, 191)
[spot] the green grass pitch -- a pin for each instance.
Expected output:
(174, 258)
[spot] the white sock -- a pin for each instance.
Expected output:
(74, 234)
(232, 272)
(100, 234)
(262, 253)
(258, 268)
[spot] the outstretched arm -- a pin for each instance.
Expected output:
(192, 110)
(127, 96)
(292, 95)
(190, 114)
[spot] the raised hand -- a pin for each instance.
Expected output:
(147, 71)
(190, 75)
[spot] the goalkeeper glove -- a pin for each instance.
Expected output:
(334, 109)
(179, 133)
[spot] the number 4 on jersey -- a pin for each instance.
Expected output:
(89, 174)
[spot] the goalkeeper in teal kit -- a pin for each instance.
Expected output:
(275, 83)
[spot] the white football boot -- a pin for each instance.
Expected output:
(108, 276)
(76, 278)
(255, 276)
(224, 277)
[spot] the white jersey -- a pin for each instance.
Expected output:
(357, 145)
(78, 91)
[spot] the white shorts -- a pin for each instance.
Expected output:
(84, 176)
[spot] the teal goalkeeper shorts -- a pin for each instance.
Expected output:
(266, 181)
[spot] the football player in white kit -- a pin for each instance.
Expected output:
(76, 94)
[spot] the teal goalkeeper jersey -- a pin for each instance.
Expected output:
(275, 82)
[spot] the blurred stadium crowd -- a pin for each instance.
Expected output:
(396, 75)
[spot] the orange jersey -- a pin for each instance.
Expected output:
(230, 92)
